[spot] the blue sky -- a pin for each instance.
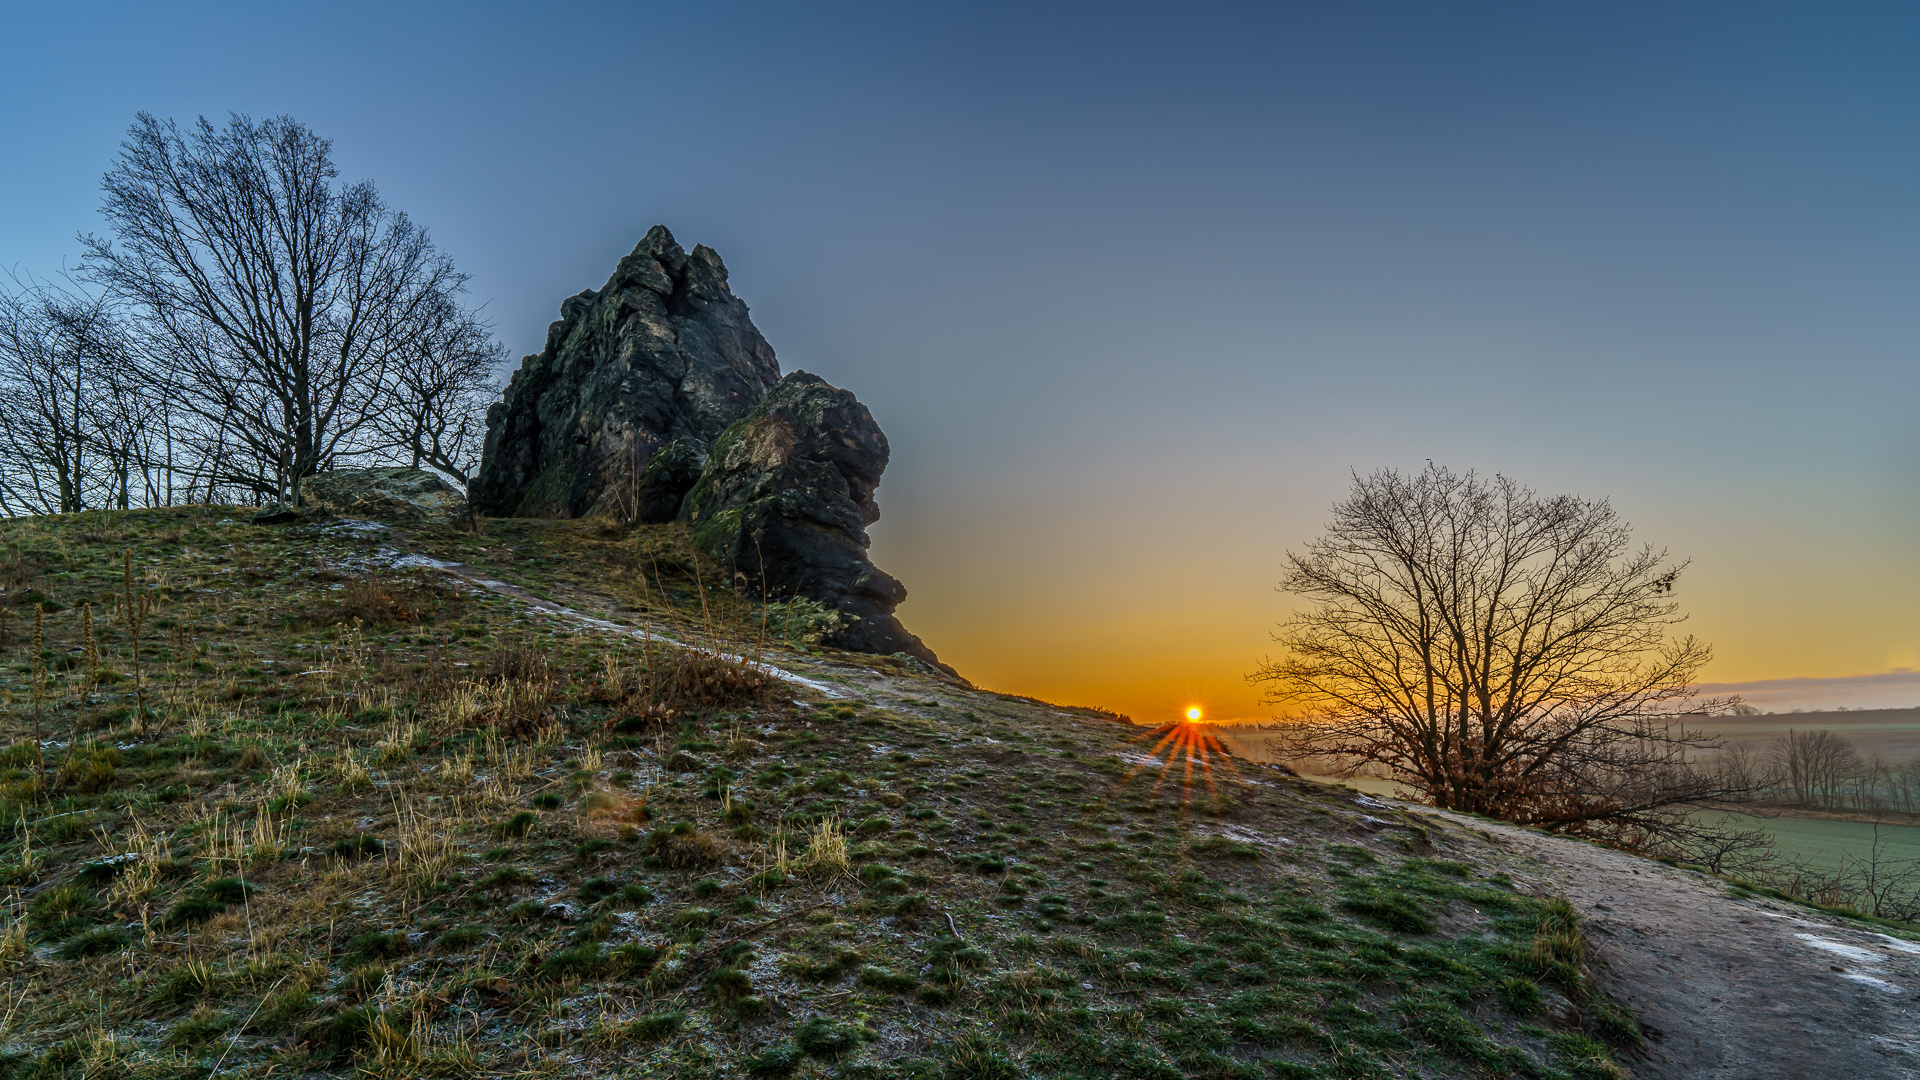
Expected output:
(1132, 289)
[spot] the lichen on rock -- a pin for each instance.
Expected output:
(663, 353)
(784, 501)
(398, 495)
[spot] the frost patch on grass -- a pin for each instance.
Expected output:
(548, 607)
(1899, 944)
(1246, 837)
(1858, 955)
(1877, 984)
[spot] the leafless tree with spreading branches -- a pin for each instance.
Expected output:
(1503, 653)
(295, 311)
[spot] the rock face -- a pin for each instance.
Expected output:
(663, 352)
(399, 495)
(656, 400)
(785, 499)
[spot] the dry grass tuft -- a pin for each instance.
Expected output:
(826, 852)
(378, 599)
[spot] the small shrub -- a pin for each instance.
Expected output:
(229, 890)
(382, 601)
(830, 1040)
(1615, 1021)
(977, 1058)
(594, 890)
(505, 877)
(691, 676)
(204, 1026)
(681, 847)
(1520, 996)
(188, 982)
(378, 945)
(1392, 910)
(1220, 847)
(694, 918)
(579, 962)
(518, 825)
(1585, 1057)
(189, 910)
(95, 942)
(460, 937)
(881, 878)
(655, 1027)
(284, 1007)
(62, 907)
(588, 848)
(894, 982)
(634, 957)
(779, 1060)
(954, 954)
(357, 845)
(729, 984)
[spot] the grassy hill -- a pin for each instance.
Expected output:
(345, 813)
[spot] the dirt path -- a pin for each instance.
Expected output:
(1730, 989)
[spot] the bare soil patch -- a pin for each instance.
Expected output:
(1729, 988)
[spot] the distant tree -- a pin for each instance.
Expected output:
(1501, 652)
(1815, 766)
(46, 427)
(78, 430)
(288, 305)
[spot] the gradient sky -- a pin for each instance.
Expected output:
(1133, 289)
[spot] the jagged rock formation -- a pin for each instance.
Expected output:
(785, 499)
(647, 405)
(663, 352)
(399, 495)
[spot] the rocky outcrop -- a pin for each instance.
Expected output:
(398, 495)
(785, 500)
(656, 400)
(663, 352)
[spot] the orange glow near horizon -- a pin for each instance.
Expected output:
(1007, 589)
(1190, 749)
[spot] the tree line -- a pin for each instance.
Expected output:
(1818, 770)
(247, 319)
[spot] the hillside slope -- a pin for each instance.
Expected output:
(1727, 983)
(440, 804)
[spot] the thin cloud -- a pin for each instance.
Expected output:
(1887, 690)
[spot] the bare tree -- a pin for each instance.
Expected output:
(1816, 766)
(283, 297)
(1501, 652)
(440, 384)
(68, 427)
